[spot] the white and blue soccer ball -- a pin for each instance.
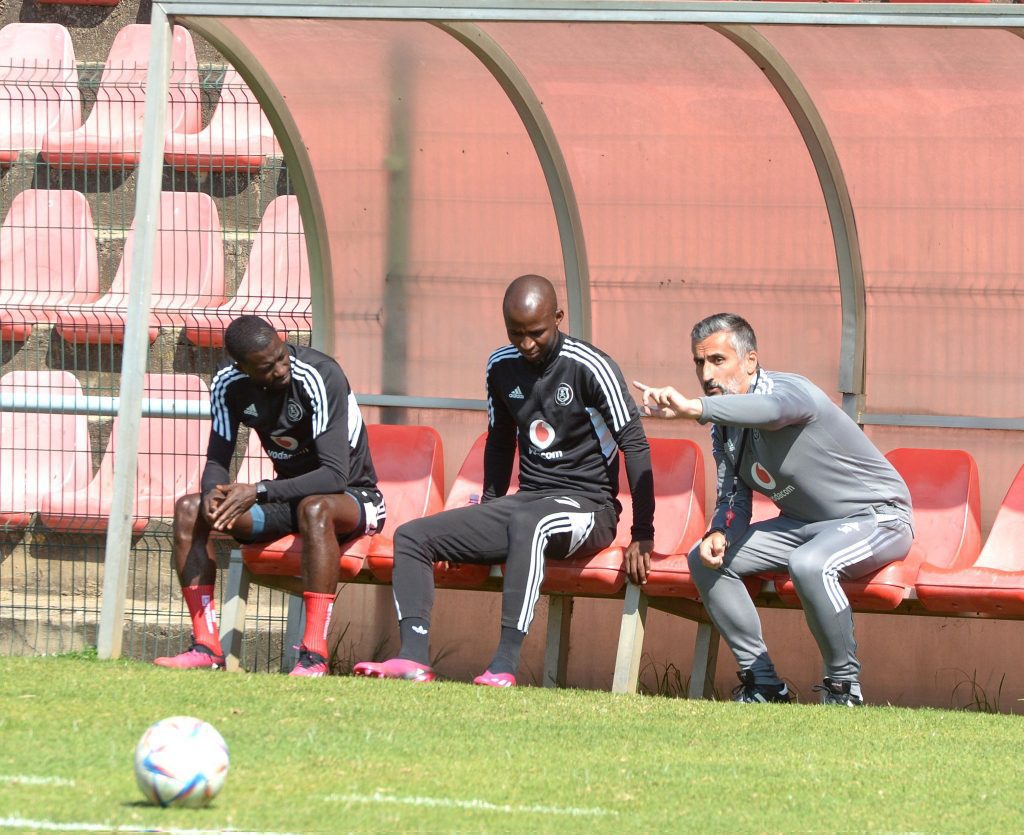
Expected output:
(181, 761)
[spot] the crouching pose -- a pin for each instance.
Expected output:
(299, 402)
(844, 510)
(567, 407)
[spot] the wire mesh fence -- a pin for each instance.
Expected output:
(229, 241)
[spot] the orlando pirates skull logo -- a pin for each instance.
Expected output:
(294, 411)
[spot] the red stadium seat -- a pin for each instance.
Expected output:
(47, 259)
(947, 508)
(169, 465)
(276, 281)
(679, 516)
(189, 274)
(38, 86)
(40, 453)
(992, 584)
(670, 571)
(112, 134)
(239, 137)
(410, 473)
(465, 490)
(678, 467)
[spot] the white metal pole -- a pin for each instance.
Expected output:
(136, 339)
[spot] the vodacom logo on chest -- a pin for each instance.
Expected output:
(762, 476)
(542, 434)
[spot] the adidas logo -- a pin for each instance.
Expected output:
(420, 630)
(516, 394)
(251, 411)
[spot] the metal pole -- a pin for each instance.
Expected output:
(136, 339)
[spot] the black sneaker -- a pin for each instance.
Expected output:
(748, 691)
(311, 664)
(838, 693)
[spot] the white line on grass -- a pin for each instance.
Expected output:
(30, 780)
(54, 826)
(482, 805)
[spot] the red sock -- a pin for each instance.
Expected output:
(318, 618)
(204, 616)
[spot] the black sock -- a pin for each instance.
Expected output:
(506, 656)
(415, 633)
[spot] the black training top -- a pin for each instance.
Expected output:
(572, 414)
(312, 430)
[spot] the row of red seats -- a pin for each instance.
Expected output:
(45, 467)
(49, 270)
(410, 469)
(947, 569)
(40, 107)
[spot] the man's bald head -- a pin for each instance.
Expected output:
(530, 294)
(532, 317)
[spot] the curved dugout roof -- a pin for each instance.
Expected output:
(856, 192)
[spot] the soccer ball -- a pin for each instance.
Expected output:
(181, 761)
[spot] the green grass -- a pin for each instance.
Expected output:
(345, 754)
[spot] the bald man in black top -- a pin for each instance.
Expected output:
(566, 405)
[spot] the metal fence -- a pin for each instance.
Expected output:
(229, 241)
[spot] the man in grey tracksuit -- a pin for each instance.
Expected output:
(845, 511)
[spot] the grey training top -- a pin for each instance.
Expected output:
(801, 450)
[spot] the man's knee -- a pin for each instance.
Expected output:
(805, 567)
(410, 537)
(186, 511)
(315, 516)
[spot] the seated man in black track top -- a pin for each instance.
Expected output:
(566, 405)
(299, 402)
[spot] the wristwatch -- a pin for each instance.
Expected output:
(261, 493)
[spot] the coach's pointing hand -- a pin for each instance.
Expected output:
(666, 402)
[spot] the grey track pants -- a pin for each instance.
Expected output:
(520, 530)
(816, 555)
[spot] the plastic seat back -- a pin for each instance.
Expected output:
(112, 133)
(38, 86)
(1004, 547)
(238, 136)
(188, 275)
(409, 461)
(47, 258)
(678, 467)
(945, 493)
(41, 454)
(190, 257)
(468, 484)
(276, 280)
(465, 490)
